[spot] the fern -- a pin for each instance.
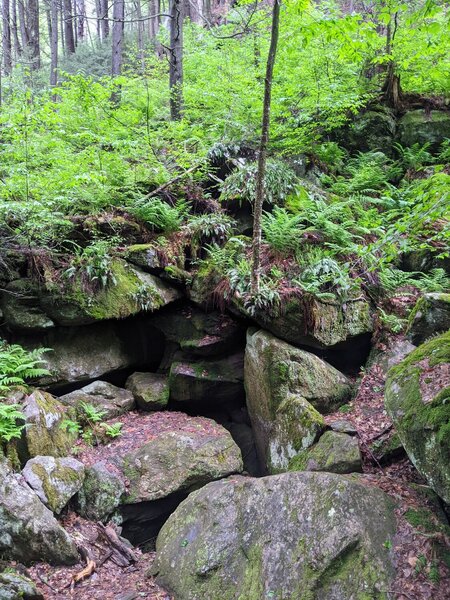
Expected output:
(414, 157)
(281, 229)
(160, 216)
(18, 365)
(10, 414)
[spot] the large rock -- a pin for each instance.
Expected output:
(101, 493)
(207, 381)
(21, 309)
(110, 399)
(334, 452)
(419, 127)
(13, 586)
(44, 434)
(394, 351)
(28, 530)
(430, 316)
(373, 129)
(88, 352)
(292, 536)
(286, 387)
(133, 291)
(175, 461)
(55, 480)
(150, 390)
(417, 397)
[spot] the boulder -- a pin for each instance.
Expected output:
(150, 390)
(21, 310)
(420, 127)
(112, 400)
(417, 398)
(343, 426)
(207, 381)
(55, 480)
(28, 530)
(242, 434)
(394, 351)
(102, 490)
(175, 461)
(295, 535)
(334, 452)
(372, 129)
(44, 434)
(387, 448)
(13, 586)
(146, 257)
(133, 291)
(430, 316)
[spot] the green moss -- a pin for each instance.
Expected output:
(64, 474)
(253, 584)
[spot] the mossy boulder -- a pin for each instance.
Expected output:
(372, 129)
(287, 389)
(430, 316)
(296, 536)
(387, 448)
(131, 292)
(207, 381)
(175, 461)
(334, 452)
(417, 398)
(21, 308)
(28, 530)
(106, 397)
(101, 493)
(55, 480)
(14, 585)
(44, 434)
(420, 127)
(150, 390)
(146, 257)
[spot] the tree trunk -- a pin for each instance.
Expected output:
(140, 36)
(6, 38)
(61, 24)
(53, 43)
(259, 196)
(176, 59)
(15, 31)
(105, 17)
(68, 27)
(154, 21)
(98, 10)
(81, 19)
(117, 44)
(33, 34)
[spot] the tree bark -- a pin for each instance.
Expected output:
(105, 18)
(15, 31)
(259, 196)
(68, 26)
(117, 44)
(53, 43)
(33, 34)
(6, 37)
(176, 59)
(81, 19)
(140, 36)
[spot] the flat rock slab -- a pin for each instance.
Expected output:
(150, 390)
(110, 399)
(295, 535)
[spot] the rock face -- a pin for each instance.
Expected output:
(334, 452)
(395, 351)
(209, 382)
(55, 480)
(112, 400)
(418, 127)
(417, 397)
(21, 310)
(150, 390)
(174, 461)
(430, 316)
(292, 536)
(43, 434)
(14, 586)
(286, 387)
(28, 530)
(102, 490)
(372, 129)
(324, 326)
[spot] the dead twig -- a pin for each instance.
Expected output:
(176, 179)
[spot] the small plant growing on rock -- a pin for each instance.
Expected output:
(10, 429)
(17, 365)
(112, 431)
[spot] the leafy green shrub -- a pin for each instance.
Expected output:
(160, 216)
(93, 264)
(17, 365)
(214, 228)
(240, 186)
(327, 280)
(331, 155)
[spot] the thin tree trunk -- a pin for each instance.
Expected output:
(98, 10)
(105, 18)
(61, 24)
(22, 24)
(6, 38)
(33, 34)
(81, 19)
(117, 44)
(259, 196)
(68, 26)
(140, 36)
(14, 31)
(176, 59)
(53, 43)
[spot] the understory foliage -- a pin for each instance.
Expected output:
(17, 365)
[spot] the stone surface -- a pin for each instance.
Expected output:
(417, 397)
(293, 536)
(343, 426)
(101, 493)
(55, 480)
(387, 448)
(146, 257)
(373, 129)
(43, 434)
(110, 399)
(334, 452)
(150, 390)
(13, 586)
(395, 350)
(211, 382)
(419, 127)
(430, 316)
(286, 387)
(28, 530)
(175, 461)
(21, 310)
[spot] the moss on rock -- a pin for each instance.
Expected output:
(334, 452)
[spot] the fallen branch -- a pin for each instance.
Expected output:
(88, 570)
(176, 179)
(376, 437)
